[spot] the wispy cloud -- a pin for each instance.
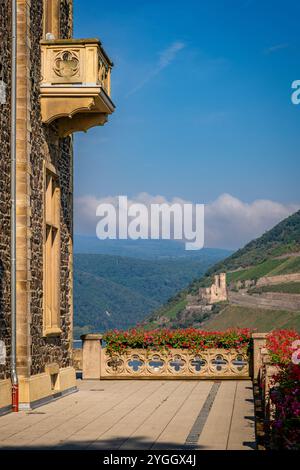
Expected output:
(229, 221)
(275, 48)
(166, 57)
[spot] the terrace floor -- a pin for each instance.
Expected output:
(134, 414)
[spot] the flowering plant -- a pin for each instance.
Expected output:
(280, 345)
(285, 395)
(285, 391)
(189, 338)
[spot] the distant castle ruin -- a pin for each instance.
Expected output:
(217, 292)
(207, 296)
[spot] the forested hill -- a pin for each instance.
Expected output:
(117, 291)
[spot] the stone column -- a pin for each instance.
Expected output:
(259, 342)
(23, 175)
(91, 356)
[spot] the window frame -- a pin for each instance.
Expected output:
(51, 253)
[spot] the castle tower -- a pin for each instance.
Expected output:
(217, 292)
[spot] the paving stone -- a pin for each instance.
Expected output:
(135, 414)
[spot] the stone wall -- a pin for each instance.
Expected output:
(46, 146)
(5, 75)
(42, 145)
(280, 279)
(66, 19)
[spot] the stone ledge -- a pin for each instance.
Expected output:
(5, 396)
(91, 336)
(46, 400)
(259, 335)
(38, 388)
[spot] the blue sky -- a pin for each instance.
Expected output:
(202, 90)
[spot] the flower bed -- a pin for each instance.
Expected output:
(191, 339)
(285, 390)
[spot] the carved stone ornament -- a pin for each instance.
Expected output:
(103, 70)
(66, 64)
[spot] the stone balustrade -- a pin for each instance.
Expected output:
(171, 364)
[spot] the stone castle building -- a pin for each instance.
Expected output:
(206, 297)
(217, 292)
(62, 86)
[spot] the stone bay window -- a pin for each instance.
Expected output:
(75, 86)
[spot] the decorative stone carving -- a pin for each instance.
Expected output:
(103, 71)
(211, 363)
(116, 364)
(66, 64)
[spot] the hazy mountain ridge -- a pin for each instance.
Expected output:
(144, 249)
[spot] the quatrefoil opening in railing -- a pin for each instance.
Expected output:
(177, 363)
(156, 364)
(198, 364)
(219, 364)
(240, 362)
(135, 363)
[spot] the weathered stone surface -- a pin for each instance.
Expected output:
(44, 145)
(5, 76)
(217, 292)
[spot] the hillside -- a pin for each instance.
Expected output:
(117, 292)
(275, 253)
(282, 239)
(261, 319)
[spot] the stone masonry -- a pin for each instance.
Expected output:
(37, 144)
(45, 145)
(5, 77)
(52, 102)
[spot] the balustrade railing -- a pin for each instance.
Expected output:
(136, 363)
(165, 364)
